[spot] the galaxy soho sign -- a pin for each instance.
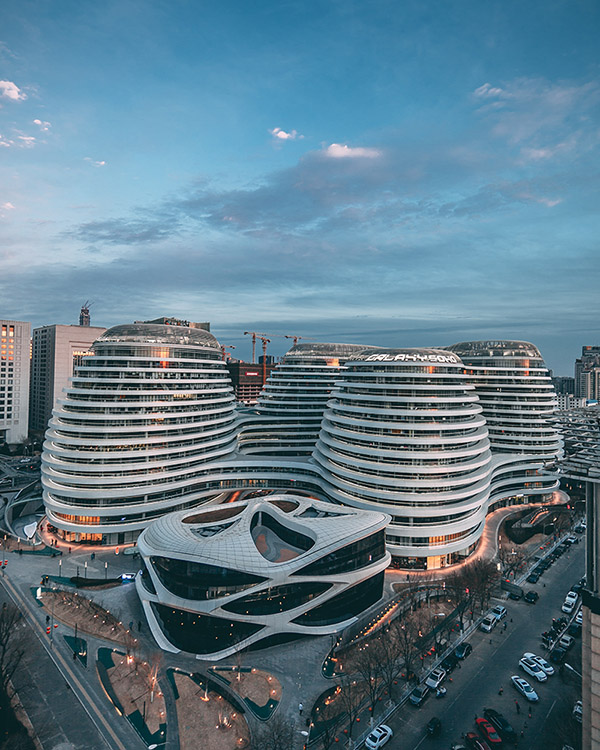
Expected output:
(425, 357)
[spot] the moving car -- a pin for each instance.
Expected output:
(501, 724)
(533, 669)
(524, 688)
(434, 727)
(463, 650)
(499, 612)
(379, 737)
(548, 668)
(531, 597)
(435, 678)
(488, 732)
(419, 695)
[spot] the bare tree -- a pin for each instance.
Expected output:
(12, 642)
(408, 631)
(276, 734)
(459, 594)
(481, 576)
(368, 666)
(389, 650)
(350, 698)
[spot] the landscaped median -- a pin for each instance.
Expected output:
(259, 690)
(133, 689)
(204, 712)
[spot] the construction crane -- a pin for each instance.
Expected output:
(225, 354)
(255, 335)
(295, 338)
(265, 341)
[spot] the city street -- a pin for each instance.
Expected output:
(494, 659)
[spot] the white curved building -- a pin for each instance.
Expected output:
(270, 569)
(143, 418)
(287, 418)
(404, 433)
(517, 397)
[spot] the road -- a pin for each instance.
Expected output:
(494, 659)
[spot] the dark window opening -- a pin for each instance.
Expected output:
(349, 603)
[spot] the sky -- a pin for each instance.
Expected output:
(392, 173)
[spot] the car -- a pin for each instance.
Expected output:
(568, 607)
(571, 596)
(578, 711)
(557, 655)
(475, 742)
(501, 724)
(548, 668)
(574, 630)
(488, 623)
(524, 688)
(449, 663)
(579, 618)
(531, 597)
(499, 612)
(566, 641)
(532, 578)
(576, 588)
(533, 669)
(435, 678)
(572, 540)
(515, 595)
(463, 650)
(419, 695)
(379, 737)
(488, 732)
(434, 726)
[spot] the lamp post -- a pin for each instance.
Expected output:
(85, 568)
(570, 668)
(105, 570)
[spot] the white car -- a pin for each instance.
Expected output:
(379, 737)
(568, 607)
(548, 668)
(579, 618)
(566, 641)
(578, 711)
(571, 597)
(435, 679)
(524, 688)
(533, 669)
(488, 624)
(499, 612)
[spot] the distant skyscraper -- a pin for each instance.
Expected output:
(84, 315)
(587, 373)
(14, 380)
(56, 351)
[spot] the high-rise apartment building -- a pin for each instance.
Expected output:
(55, 353)
(587, 373)
(14, 380)
(247, 380)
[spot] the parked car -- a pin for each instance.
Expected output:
(488, 623)
(557, 655)
(379, 737)
(548, 668)
(579, 618)
(578, 711)
(501, 724)
(532, 578)
(566, 641)
(499, 612)
(533, 669)
(419, 695)
(475, 742)
(434, 727)
(463, 650)
(531, 597)
(489, 734)
(515, 595)
(449, 663)
(568, 607)
(435, 678)
(574, 630)
(524, 688)
(571, 597)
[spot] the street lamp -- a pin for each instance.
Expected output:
(570, 668)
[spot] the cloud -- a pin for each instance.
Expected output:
(27, 141)
(7, 206)
(94, 163)
(9, 90)
(44, 126)
(339, 151)
(6, 142)
(487, 91)
(283, 136)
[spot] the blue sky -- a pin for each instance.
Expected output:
(398, 173)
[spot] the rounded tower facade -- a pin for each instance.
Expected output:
(143, 417)
(404, 433)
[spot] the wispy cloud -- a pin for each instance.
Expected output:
(340, 151)
(487, 91)
(10, 90)
(43, 125)
(282, 135)
(94, 163)
(7, 206)
(27, 141)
